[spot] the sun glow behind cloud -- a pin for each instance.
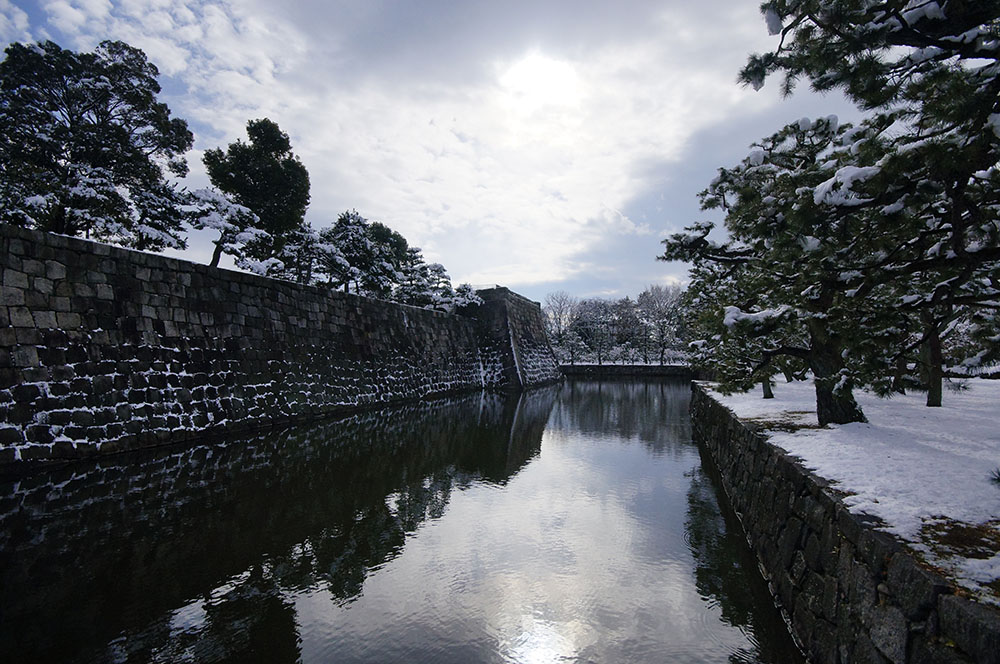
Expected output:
(537, 81)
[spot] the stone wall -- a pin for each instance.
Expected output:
(853, 594)
(516, 322)
(104, 349)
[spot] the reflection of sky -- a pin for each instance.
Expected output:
(580, 556)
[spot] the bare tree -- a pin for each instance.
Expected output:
(660, 310)
(560, 310)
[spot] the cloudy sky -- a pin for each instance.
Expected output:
(541, 145)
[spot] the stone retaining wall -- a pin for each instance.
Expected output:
(104, 349)
(853, 594)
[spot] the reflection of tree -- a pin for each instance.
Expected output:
(655, 411)
(724, 565)
(305, 507)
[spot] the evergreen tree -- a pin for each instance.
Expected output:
(791, 253)
(930, 70)
(236, 225)
(351, 237)
(85, 148)
(381, 270)
(264, 176)
(305, 256)
(428, 285)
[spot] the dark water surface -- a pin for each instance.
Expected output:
(570, 524)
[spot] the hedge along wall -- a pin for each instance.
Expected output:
(104, 349)
(852, 594)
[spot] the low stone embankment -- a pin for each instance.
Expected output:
(627, 370)
(104, 349)
(853, 594)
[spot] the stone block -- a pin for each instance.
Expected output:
(42, 285)
(36, 452)
(889, 632)
(32, 267)
(68, 319)
(11, 296)
(865, 652)
(973, 627)
(55, 270)
(915, 589)
(15, 279)
(45, 319)
(877, 548)
(25, 356)
(21, 317)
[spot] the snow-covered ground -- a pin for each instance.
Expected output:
(926, 472)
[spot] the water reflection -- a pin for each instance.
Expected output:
(100, 553)
(570, 524)
(653, 412)
(723, 575)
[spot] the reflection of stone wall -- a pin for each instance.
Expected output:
(142, 533)
(104, 349)
(852, 593)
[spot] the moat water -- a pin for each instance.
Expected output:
(568, 524)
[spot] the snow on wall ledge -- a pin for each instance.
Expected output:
(104, 349)
(851, 593)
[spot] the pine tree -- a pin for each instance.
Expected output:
(265, 177)
(930, 71)
(236, 225)
(85, 148)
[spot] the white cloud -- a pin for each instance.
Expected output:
(13, 23)
(517, 171)
(65, 17)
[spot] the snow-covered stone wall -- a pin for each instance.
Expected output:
(852, 593)
(515, 322)
(104, 349)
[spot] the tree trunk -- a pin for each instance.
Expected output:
(835, 403)
(766, 384)
(897, 377)
(836, 406)
(216, 253)
(934, 373)
(788, 373)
